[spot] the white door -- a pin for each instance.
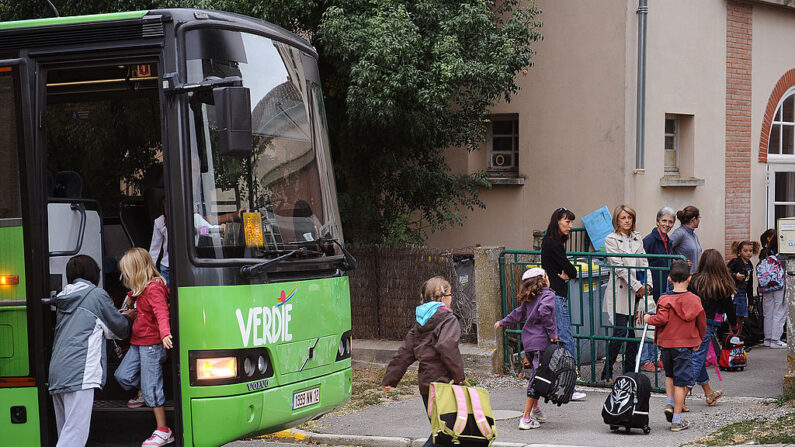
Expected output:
(780, 192)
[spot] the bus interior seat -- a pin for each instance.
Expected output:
(68, 184)
(64, 228)
(138, 215)
(302, 221)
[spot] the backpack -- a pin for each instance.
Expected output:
(460, 415)
(770, 273)
(556, 375)
(733, 356)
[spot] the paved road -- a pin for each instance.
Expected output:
(577, 423)
(580, 423)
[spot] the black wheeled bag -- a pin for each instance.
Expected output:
(627, 405)
(556, 375)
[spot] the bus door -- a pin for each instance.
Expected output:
(19, 283)
(103, 162)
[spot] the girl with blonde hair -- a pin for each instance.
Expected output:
(142, 366)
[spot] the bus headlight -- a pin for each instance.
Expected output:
(228, 366)
(344, 348)
(248, 367)
(216, 368)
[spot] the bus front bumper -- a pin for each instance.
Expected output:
(218, 420)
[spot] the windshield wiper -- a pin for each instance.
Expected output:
(248, 271)
(350, 262)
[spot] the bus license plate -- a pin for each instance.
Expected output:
(306, 398)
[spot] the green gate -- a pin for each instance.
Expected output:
(592, 328)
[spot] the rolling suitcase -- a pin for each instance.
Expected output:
(627, 405)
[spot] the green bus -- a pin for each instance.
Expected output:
(216, 121)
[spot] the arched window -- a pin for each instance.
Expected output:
(782, 128)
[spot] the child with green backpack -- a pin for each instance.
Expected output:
(433, 340)
(537, 310)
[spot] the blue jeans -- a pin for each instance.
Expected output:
(678, 363)
(649, 352)
(563, 321)
(142, 367)
(164, 274)
(699, 356)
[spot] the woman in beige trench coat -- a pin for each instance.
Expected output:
(629, 290)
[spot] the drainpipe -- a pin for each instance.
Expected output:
(640, 134)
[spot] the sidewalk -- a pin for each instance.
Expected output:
(577, 423)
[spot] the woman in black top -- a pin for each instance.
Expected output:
(713, 284)
(559, 271)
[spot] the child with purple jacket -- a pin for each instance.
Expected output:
(537, 310)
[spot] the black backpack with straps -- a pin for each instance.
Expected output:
(556, 375)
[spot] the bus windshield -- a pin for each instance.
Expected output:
(279, 197)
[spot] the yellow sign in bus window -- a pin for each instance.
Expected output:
(252, 229)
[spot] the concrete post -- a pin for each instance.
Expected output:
(488, 302)
(789, 377)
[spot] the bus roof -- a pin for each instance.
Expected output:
(30, 23)
(53, 31)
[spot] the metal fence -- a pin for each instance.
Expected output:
(578, 240)
(592, 327)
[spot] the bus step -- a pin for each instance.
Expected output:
(121, 405)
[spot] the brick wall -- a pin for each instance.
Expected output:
(785, 83)
(738, 121)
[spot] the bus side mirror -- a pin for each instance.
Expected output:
(233, 118)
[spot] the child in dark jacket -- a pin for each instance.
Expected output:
(680, 327)
(433, 340)
(742, 272)
(537, 310)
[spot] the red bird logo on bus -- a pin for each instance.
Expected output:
(285, 297)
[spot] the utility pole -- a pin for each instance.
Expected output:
(789, 376)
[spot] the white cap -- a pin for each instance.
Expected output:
(533, 272)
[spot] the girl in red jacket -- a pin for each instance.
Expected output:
(142, 367)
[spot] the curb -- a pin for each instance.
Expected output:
(372, 441)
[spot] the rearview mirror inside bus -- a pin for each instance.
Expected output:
(233, 118)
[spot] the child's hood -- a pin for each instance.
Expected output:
(424, 312)
(687, 306)
(72, 295)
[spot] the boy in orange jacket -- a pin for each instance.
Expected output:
(680, 327)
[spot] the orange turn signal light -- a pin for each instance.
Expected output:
(9, 280)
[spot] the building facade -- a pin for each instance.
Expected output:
(719, 121)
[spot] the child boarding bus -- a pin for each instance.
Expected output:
(216, 122)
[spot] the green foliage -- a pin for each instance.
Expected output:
(755, 431)
(405, 81)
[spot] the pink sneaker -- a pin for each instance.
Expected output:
(158, 438)
(137, 401)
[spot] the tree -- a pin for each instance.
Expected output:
(404, 80)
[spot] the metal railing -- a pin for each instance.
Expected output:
(592, 327)
(578, 240)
